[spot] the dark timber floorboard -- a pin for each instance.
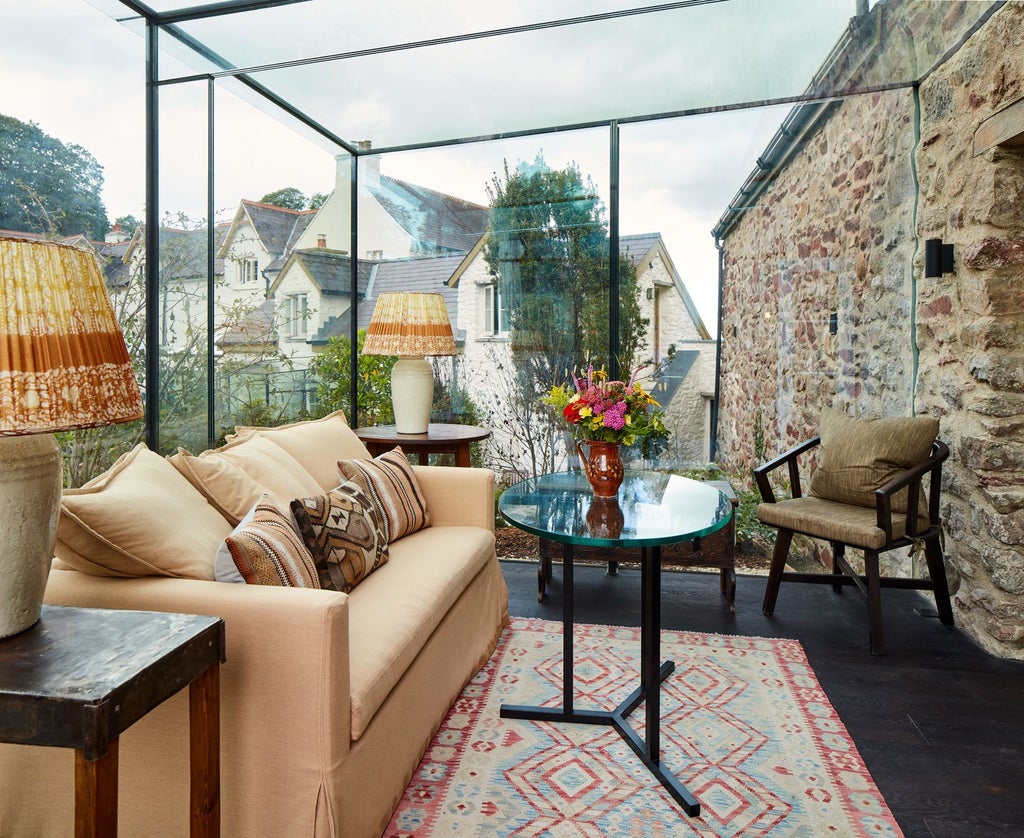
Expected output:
(938, 721)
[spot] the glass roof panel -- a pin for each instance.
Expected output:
(404, 75)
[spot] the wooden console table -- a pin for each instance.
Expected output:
(439, 439)
(81, 676)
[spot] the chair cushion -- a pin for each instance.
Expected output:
(139, 518)
(267, 549)
(830, 520)
(857, 456)
(393, 487)
(234, 476)
(345, 533)
(316, 444)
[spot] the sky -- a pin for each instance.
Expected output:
(79, 75)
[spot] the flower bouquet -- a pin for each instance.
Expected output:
(606, 414)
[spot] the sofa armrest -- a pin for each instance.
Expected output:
(285, 707)
(458, 497)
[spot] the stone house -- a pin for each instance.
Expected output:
(825, 298)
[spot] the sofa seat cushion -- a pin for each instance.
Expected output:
(394, 611)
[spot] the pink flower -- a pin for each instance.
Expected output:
(615, 416)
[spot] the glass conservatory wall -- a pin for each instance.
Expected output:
(183, 271)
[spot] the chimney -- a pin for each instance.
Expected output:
(321, 240)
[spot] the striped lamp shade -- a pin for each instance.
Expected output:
(409, 325)
(63, 360)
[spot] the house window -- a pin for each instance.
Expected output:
(248, 270)
(297, 315)
(496, 321)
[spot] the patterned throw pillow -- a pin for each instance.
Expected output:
(344, 532)
(267, 550)
(393, 489)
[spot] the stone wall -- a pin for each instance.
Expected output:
(971, 326)
(840, 230)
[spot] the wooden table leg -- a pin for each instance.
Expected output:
(204, 750)
(96, 795)
(462, 458)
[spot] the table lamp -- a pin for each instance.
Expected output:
(410, 325)
(63, 365)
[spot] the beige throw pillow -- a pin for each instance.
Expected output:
(857, 456)
(139, 518)
(345, 533)
(393, 488)
(267, 549)
(234, 476)
(316, 444)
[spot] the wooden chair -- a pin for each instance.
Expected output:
(871, 529)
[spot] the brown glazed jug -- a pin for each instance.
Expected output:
(603, 467)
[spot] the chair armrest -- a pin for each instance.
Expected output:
(458, 497)
(912, 477)
(789, 459)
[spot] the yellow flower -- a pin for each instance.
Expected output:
(586, 411)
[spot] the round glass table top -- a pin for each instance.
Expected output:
(652, 508)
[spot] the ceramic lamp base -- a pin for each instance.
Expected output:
(412, 394)
(30, 486)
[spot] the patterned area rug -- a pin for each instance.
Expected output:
(745, 726)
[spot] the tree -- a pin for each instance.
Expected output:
(548, 248)
(332, 369)
(287, 198)
(46, 185)
(317, 200)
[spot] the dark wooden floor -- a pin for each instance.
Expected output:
(938, 721)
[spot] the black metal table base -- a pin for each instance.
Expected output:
(652, 673)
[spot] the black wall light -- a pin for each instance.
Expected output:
(938, 258)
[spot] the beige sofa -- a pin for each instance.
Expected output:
(328, 700)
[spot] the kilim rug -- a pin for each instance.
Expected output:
(745, 726)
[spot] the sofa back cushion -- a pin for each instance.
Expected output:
(857, 456)
(234, 476)
(316, 444)
(139, 518)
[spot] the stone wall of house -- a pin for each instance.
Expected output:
(841, 230)
(971, 325)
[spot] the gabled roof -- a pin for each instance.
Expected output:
(277, 228)
(639, 247)
(182, 252)
(429, 274)
(329, 270)
(437, 222)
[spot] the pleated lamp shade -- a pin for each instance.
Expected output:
(63, 365)
(63, 360)
(409, 325)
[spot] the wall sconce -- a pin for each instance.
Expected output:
(833, 323)
(650, 293)
(938, 258)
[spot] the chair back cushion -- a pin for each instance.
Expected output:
(857, 456)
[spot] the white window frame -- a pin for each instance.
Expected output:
(248, 271)
(495, 312)
(297, 315)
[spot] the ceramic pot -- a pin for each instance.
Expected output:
(603, 467)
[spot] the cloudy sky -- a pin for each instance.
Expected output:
(69, 68)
